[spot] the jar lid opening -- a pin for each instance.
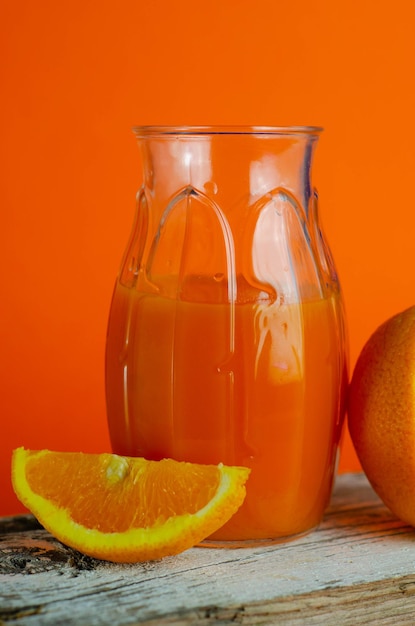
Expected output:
(146, 131)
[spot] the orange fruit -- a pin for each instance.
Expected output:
(381, 413)
(126, 509)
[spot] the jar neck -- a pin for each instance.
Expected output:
(228, 165)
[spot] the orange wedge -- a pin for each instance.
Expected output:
(126, 509)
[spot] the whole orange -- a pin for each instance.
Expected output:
(381, 412)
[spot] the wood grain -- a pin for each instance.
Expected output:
(359, 566)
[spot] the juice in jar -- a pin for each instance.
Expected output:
(258, 384)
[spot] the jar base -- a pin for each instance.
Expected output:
(234, 544)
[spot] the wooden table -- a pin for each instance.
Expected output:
(357, 568)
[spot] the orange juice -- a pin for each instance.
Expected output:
(257, 384)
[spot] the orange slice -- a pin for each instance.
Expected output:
(126, 509)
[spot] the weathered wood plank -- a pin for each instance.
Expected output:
(388, 603)
(339, 573)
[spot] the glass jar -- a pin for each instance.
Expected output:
(226, 338)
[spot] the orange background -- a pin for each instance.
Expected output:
(76, 76)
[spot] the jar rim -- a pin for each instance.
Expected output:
(159, 131)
